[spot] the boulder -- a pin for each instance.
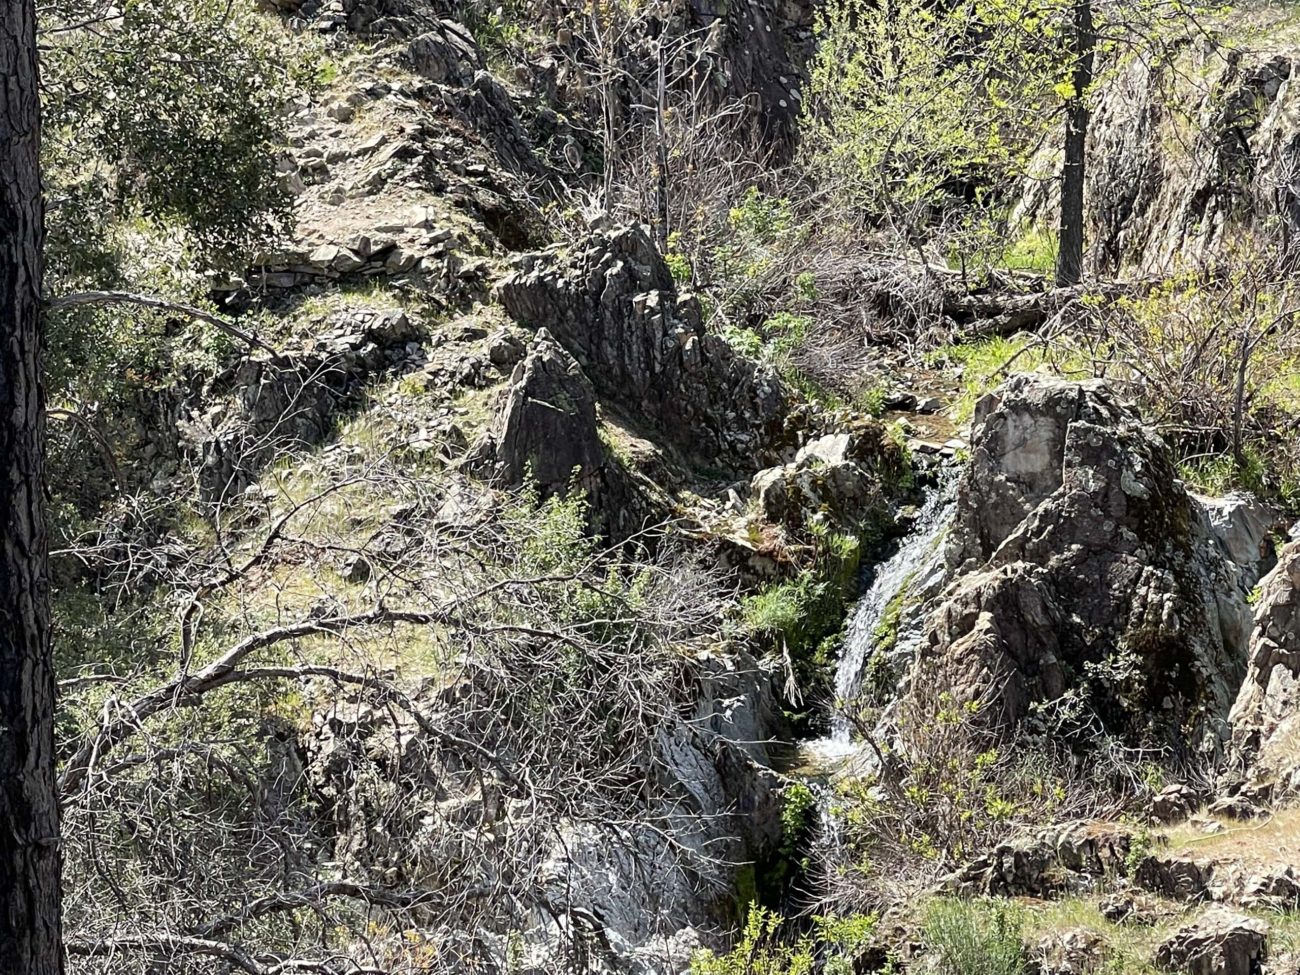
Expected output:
(1219, 942)
(1173, 804)
(546, 429)
(1085, 575)
(1077, 951)
(1265, 718)
(840, 480)
(1069, 857)
(611, 302)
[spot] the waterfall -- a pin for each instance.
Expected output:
(891, 577)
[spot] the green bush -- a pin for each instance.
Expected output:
(975, 937)
(767, 946)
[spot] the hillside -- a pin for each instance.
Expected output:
(629, 488)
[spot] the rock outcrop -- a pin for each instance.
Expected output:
(267, 407)
(1220, 942)
(1266, 716)
(637, 896)
(839, 480)
(1159, 200)
(611, 302)
(1086, 576)
(546, 434)
(546, 429)
(1054, 861)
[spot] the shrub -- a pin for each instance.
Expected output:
(975, 937)
(767, 946)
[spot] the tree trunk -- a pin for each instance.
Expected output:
(1069, 259)
(29, 816)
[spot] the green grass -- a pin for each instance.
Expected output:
(987, 362)
(1036, 251)
(1128, 947)
(975, 937)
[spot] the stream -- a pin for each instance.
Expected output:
(888, 581)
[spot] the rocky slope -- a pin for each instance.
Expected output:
(1193, 157)
(544, 558)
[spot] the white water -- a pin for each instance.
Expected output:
(888, 581)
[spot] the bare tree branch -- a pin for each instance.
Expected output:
(84, 298)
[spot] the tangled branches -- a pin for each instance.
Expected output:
(372, 736)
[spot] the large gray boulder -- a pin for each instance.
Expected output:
(545, 431)
(841, 480)
(1087, 579)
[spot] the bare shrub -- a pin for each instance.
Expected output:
(346, 734)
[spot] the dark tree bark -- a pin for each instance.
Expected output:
(30, 941)
(1069, 259)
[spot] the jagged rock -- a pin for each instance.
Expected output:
(1220, 942)
(446, 54)
(1180, 877)
(272, 406)
(1079, 558)
(504, 349)
(546, 430)
(1266, 715)
(1077, 951)
(610, 300)
(546, 434)
(1173, 804)
(1073, 856)
(1161, 201)
(836, 480)
(1240, 807)
(1125, 907)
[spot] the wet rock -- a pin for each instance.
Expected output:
(1077, 550)
(1220, 942)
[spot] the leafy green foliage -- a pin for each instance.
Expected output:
(172, 112)
(765, 947)
(804, 616)
(924, 118)
(163, 124)
(910, 128)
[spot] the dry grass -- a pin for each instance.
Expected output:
(1269, 842)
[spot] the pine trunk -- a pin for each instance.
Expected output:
(1069, 261)
(29, 815)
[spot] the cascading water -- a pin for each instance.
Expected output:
(890, 578)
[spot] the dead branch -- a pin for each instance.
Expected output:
(85, 298)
